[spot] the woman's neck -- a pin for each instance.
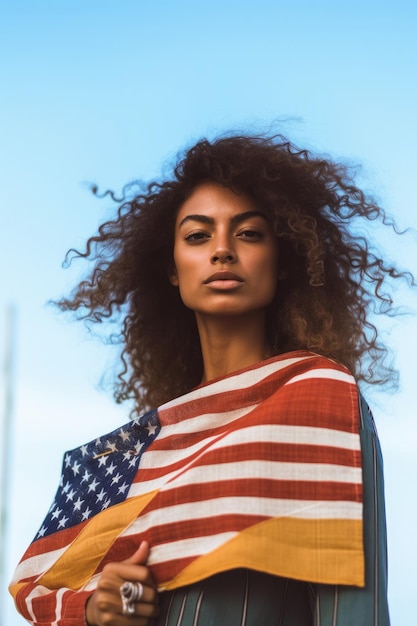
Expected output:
(230, 344)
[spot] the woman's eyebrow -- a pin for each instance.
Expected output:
(241, 217)
(236, 219)
(204, 219)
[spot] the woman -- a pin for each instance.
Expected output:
(254, 493)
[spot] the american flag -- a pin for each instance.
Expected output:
(260, 469)
(98, 475)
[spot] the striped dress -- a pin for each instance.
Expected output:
(259, 493)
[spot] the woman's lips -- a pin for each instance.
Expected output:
(223, 276)
(224, 281)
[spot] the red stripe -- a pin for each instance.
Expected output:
(56, 541)
(279, 489)
(192, 528)
(166, 571)
(280, 452)
(326, 404)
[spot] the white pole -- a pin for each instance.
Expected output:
(5, 443)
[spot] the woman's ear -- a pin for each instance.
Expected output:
(172, 275)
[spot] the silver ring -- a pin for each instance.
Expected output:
(130, 593)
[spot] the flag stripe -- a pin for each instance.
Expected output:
(262, 487)
(249, 378)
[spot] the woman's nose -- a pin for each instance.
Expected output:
(223, 252)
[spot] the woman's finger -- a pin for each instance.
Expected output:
(140, 556)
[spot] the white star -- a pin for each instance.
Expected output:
(102, 460)
(111, 446)
(124, 435)
(56, 513)
(93, 486)
(133, 461)
(100, 495)
(127, 455)
(116, 478)
(66, 487)
(123, 488)
(151, 428)
(106, 504)
(70, 495)
(67, 460)
(76, 468)
(77, 504)
(110, 469)
(42, 531)
(84, 450)
(98, 441)
(138, 447)
(86, 476)
(63, 521)
(86, 513)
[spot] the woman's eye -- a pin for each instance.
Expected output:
(196, 237)
(250, 234)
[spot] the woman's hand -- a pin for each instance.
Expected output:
(104, 607)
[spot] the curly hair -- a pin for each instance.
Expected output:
(334, 281)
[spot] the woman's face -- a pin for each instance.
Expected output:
(225, 253)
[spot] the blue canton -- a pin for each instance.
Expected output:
(99, 474)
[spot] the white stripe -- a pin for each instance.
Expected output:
(206, 421)
(58, 610)
(268, 507)
(144, 487)
(329, 374)
(276, 470)
(264, 470)
(163, 458)
(232, 383)
(297, 435)
(188, 547)
(39, 564)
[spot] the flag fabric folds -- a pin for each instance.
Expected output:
(260, 469)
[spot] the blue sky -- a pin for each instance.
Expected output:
(106, 91)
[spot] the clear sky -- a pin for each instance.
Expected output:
(106, 91)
